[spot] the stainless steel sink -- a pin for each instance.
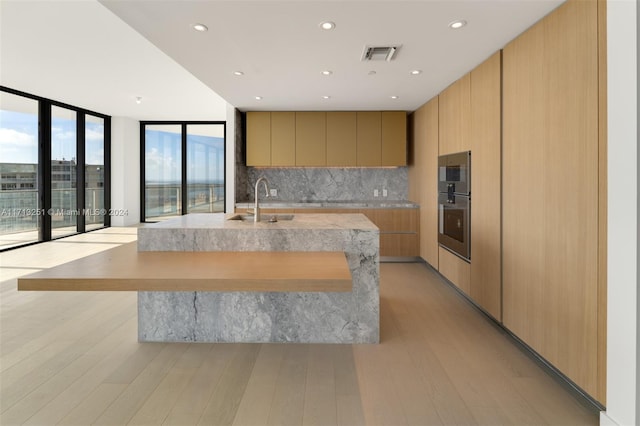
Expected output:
(266, 217)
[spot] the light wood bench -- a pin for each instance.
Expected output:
(124, 268)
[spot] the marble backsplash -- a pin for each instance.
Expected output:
(334, 184)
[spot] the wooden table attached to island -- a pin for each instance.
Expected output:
(204, 278)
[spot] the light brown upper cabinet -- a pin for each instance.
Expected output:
(341, 138)
(283, 138)
(369, 138)
(311, 128)
(394, 138)
(318, 138)
(258, 138)
(455, 117)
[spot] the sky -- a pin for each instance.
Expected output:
(205, 161)
(205, 158)
(19, 139)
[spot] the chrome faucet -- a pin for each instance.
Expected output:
(256, 209)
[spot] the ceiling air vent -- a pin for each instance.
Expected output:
(380, 53)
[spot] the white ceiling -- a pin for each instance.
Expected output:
(282, 51)
(79, 52)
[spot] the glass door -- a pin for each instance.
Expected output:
(163, 171)
(205, 168)
(20, 218)
(63, 211)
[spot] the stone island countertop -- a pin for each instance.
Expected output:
(237, 316)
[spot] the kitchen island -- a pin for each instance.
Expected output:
(265, 316)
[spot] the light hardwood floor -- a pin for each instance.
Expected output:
(73, 359)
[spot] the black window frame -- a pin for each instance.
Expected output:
(45, 169)
(183, 162)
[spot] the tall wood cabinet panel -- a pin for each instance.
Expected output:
(369, 139)
(341, 138)
(602, 196)
(283, 138)
(455, 117)
(423, 176)
(258, 138)
(311, 128)
(394, 138)
(486, 285)
(550, 190)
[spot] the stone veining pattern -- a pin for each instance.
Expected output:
(335, 184)
(310, 317)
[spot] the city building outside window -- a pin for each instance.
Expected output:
(53, 169)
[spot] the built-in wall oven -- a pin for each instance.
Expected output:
(454, 203)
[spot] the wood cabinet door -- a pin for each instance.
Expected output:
(341, 138)
(486, 284)
(455, 117)
(426, 146)
(283, 138)
(258, 138)
(399, 231)
(454, 269)
(311, 140)
(394, 138)
(550, 190)
(369, 138)
(393, 220)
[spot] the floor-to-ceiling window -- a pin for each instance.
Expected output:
(182, 168)
(54, 169)
(20, 218)
(205, 168)
(163, 171)
(94, 172)
(64, 176)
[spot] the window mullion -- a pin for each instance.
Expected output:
(80, 172)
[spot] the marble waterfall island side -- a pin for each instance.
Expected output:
(236, 316)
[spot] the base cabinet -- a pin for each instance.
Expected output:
(455, 270)
(399, 228)
(399, 231)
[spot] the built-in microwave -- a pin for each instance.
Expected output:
(454, 173)
(454, 203)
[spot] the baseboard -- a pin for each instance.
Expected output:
(606, 420)
(400, 259)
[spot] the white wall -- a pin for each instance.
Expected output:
(623, 354)
(125, 170)
(230, 160)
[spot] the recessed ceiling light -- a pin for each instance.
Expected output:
(394, 97)
(327, 72)
(327, 25)
(138, 100)
(326, 97)
(457, 24)
(258, 98)
(238, 73)
(200, 27)
(372, 72)
(416, 72)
